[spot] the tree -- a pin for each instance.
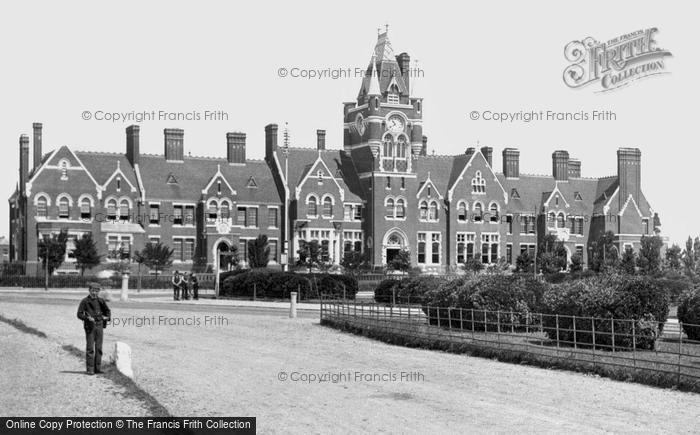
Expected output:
(355, 261)
(673, 258)
(258, 252)
(605, 255)
(551, 255)
(628, 262)
(309, 254)
(230, 260)
(525, 262)
(401, 261)
(649, 260)
(473, 265)
(157, 256)
(691, 256)
(576, 263)
(53, 249)
(86, 256)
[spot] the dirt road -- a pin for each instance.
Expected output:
(258, 365)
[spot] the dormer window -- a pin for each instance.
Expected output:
(392, 96)
(478, 183)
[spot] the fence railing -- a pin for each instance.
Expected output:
(635, 345)
(205, 280)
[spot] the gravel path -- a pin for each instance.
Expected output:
(40, 378)
(234, 370)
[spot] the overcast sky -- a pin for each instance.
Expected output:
(60, 61)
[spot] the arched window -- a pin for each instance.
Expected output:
(389, 203)
(478, 212)
(462, 211)
(401, 147)
(63, 164)
(41, 206)
(63, 208)
(212, 212)
(561, 220)
(478, 183)
(85, 208)
(311, 207)
(423, 214)
(551, 219)
(433, 211)
(124, 210)
(225, 209)
(388, 146)
(493, 212)
(112, 209)
(328, 207)
(400, 209)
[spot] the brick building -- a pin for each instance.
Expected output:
(380, 194)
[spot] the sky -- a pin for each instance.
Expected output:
(63, 59)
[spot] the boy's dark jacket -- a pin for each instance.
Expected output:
(96, 308)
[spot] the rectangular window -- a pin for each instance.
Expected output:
(70, 247)
(358, 212)
(243, 250)
(347, 212)
(403, 183)
(189, 215)
(392, 98)
(126, 247)
(435, 248)
(188, 254)
(509, 222)
(177, 249)
(325, 251)
(273, 249)
(252, 218)
(421, 247)
(154, 214)
(461, 248)
(153, 239)
(489, 248)
(579, 226)
(579, 251)
(177, 215)
(509, 253)
(241, 216)
(63, 209)
(85, 212)
(645, 226)
(112, 243)
(388, 182)
(272, 217)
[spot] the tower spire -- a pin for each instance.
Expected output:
(374, 78)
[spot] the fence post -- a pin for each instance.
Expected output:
(485, 328)
(512, 321)
(438, 317)
(345, 296)
(449, 320)
(541, 330)
(574, 324)
(593, 331)
(255, 290)
(634, 344)
(612, 332)
(680, 351)
(556, 316)
(461, 322)
(472, 321)
(293, 306)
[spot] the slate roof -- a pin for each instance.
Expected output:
(102, 165)
(387, 68)
(301, 161)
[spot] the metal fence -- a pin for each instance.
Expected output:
(633, 346)
(205, 280)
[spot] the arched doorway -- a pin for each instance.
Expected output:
(222, 255)
(394, 242)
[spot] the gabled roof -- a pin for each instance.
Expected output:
(102, 166)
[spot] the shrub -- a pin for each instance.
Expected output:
(689, 313)
(484, 302)
(384, 293)
(406, 291)
(630, 300)
(272, 284)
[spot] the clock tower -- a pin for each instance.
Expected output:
(384, 137)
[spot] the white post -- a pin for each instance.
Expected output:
(293, 305)
(125, 287)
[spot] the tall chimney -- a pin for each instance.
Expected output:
(488, 154)
(511, 162)
(470, 151)
(574, 168)
(270, 140)
(133, 144)
(37, 143)
(235, 147)
(174, 144)
(404, 61)
(560, 165)
(629, 173)
(23, 162)
(424, 150)
(321, 139)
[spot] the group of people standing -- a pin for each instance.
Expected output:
(182, 284)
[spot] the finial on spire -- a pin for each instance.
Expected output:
(386, 28)
(286, 134)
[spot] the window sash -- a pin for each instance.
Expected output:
(272, 217)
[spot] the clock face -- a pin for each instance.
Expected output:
(395, 123)
(360, 124)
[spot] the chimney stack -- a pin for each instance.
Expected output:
(23, 162)
(133, 144)
(270, 140)
(174, 144)
(37, 144)
(488, 154)
(424, 150)
(321, 139)
(560, 165)
(235, 147)
(629, 172)
(511, 162)
(470, 151)
(574, 168)
(404, 61)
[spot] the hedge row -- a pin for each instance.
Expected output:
(689, 313)
(519, 302)
(77, 281)
(273, 284)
